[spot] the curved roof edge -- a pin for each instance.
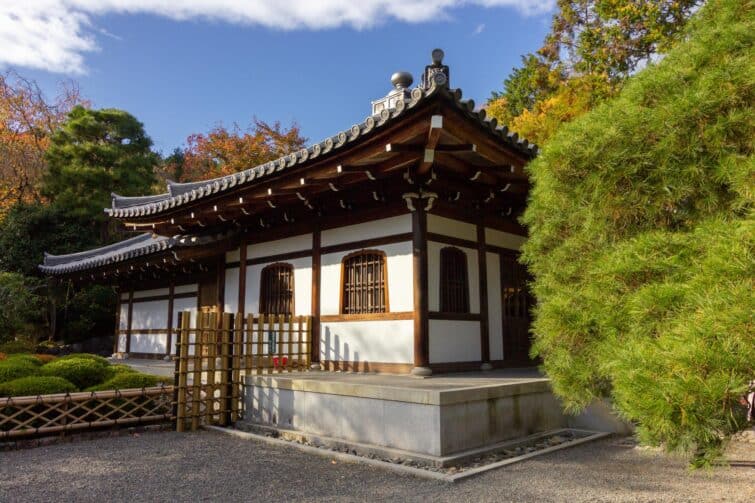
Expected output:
(179, 194)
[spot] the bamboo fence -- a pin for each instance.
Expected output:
(219, 350)
(62, 413)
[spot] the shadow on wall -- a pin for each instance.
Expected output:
(148, 343)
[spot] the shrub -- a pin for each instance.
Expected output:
(22, 306)
(641, 242)
(86, 356)
(119, 368)
(45, 358)
(25, 357)
(129, 380)
(18, 346)
(3, 356)
(14, 369)
(35, 385)
(83, 372)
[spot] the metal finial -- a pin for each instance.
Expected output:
(437, 56)
(402, 80)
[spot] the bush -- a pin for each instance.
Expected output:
(641, 242)
(35, 385)
(25, 357)
(86, 356)
(19, 346)
(15, 369)
(83, 372)
(22, 306)
(127, 380)
(119, 368)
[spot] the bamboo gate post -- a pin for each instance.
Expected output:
(182, 350)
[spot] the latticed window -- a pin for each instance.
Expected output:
(454, 283)
(364, 283)
(277, 289)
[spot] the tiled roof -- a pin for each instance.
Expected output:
(179, 194)
(143, 244)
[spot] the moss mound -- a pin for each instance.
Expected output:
(127, 380)
(82, 372)
(36, 385)
(642, 242)
(13, 368)
(87, 356)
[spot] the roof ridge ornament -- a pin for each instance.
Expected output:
(436, 73)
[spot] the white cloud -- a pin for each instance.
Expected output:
(54, 35)
(479, 29)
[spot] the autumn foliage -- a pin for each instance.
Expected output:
(224, 151)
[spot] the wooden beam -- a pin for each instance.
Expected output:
(482, 274)
(130, 319)
(241, 308)
(169, 338)
(433, 137)
(421, 301)
(316, 273)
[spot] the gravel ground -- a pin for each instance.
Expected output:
(208, 466)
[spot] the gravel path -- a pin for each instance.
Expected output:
(208, 466)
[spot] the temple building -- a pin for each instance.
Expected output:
(398, 235)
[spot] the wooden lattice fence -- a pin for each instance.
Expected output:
(218, 350)
(62, 413)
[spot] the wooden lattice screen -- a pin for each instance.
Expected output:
(364, 283)
(217, 352)
(61, 413)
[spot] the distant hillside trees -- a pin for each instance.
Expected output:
(642, 242)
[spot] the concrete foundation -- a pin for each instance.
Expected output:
(436, 416)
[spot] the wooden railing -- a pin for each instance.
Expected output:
(219, 350)
(62, 413)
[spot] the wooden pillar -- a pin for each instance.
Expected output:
(220, 282)
(421, 301)
(169, 339)
(117, 318)
(242, 279)
(130, 318)
(483, 282)
(316, 269)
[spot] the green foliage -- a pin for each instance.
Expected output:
(25, 357)
(127, 380)
(86, 356)
(83, 372)
(119, 368)
(35, 385)
(88, 312)
(528, 84)
(11, 369)
(21, 306)
(642, 238)
(94, 153)
(19, 346)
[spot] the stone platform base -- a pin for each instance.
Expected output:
(436, 416)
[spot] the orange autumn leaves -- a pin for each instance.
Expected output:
(224, 151)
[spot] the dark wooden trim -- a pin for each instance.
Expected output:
(241, 308)
(367, 243)
(117, 318)
(420, 284)
(443, 209)
(150, 356)
(378, 367)
(450, 240)
(399, 315)
(281, 257)
(148, 331)
(186, 295)
(130, 318)
(482, 280)
(437, 315)
(169, 340)
(316, 272)
(220, 278)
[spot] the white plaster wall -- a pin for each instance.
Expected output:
(151, 293)
(187, 304)
(302, 285)
(123, 316)
(433, 276)
(454, 341)
(385, 341)
(285, 245)
(367, 230)
(188, 288)
(148, 343)
(152, 314)
(400, 278)
(495, 321)
(504, 239)
(450, 227)
(122, 343)
(231, 295)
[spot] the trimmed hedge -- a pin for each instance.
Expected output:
(128, 380)
(25, 357)
(36, 385)
(45, 358)
(87, 356)
(11, 369)
(83, 372)
(12, 347)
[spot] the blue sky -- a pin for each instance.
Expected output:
(182, 76)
